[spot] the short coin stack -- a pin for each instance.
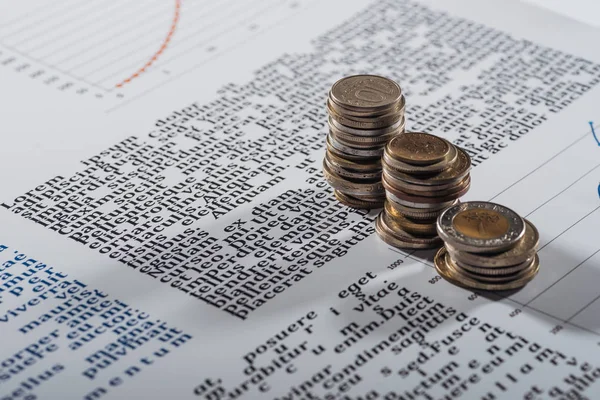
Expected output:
(422, 175)
(487, 246)
(365, 112)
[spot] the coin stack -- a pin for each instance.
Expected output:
(422, 175)
(487, 246)
(365, 112)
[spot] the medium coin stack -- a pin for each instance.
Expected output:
(487, 246)
(422, 175)
(365, 112)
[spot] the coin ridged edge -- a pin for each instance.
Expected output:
(398, 243)
(449, 274)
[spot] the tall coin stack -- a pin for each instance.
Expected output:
(422, 175)
(487, 246)
(365, 112)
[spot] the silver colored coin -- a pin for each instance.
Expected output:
(396, 237)
(371, 143)
(421, 169)
(351, 157)
(455, 171)
(497, 278)
(449, 271)
(399, 106)
(523, 251)
(423, 206)
(372, 188)
(367, 123)
(426, 191)
(401, 184)
(433, 198)
(358, 175)
(365, 93)
(352, 150)
(398, 126)
(490, 271)
(354, 140)
(417, 213)
(480, 227)
(344, 162)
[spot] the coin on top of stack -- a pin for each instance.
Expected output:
(423, 175)
(365, 112)
(487, 246)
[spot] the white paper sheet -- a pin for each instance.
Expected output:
(581, 10)
(173, 237)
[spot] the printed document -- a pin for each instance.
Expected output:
(166, 231)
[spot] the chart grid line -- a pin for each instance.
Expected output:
(569, 228)
(564, 190)
(111, 22)
(183, 40)
(543, 164)
(105, 44)
(502, 297)
(583, 308)
(565, 275)
(36, 22)
(51, 67)
(280, 22)
(162, 48)
(527, 304)
(147, 26)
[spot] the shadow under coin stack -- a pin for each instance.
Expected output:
(422, 175)
(487, 246)
(365, 112)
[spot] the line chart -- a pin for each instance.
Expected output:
(119, 48)
(162, 47)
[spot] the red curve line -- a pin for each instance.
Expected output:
(162, 48)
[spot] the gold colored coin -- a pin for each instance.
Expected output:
(398, 127)
(398, 107)
(354, 165)
(418, 148)
(416, 213)
(361, 141)
(398, 230)
(355, 202)
(445, 267)
(430, 191)
(486, 270)
(365, 93)
(403, 240)
(480, 227)
(422, 206)
(455, 171)
(362, 145)
(400, 166)
(353, 187)
(523, 251)
(375, 151)
(481, 224)
(366, 123)
(417, 228)
(497, 278)
(416, 189)
(409, 199)
(351, 174)
(351, 157)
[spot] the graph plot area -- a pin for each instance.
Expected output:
(115, 48)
